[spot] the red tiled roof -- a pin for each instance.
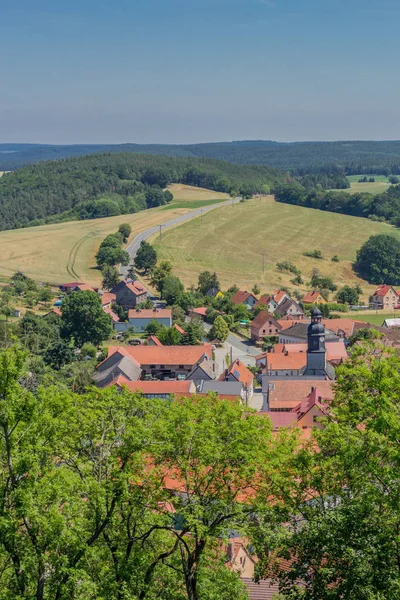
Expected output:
(114, 317)
(136, 287)
(56, 311)
(279, 419)
(84, 287)
(265, 298)
(164, 355)
(294, 361)
(155, 340)
(108, 298)
(289, 393)
(240, 372)
(241, 297)
(262, 318)
(179, 329)
(150, 313)
(313, 399)
(279, 295)
(264, 590)
(202, 311)
(338, 325)
(311, 297)
(285, 323)
(382, 290)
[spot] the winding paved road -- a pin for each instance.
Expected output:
(135, 243)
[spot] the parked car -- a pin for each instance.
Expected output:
(134, 342)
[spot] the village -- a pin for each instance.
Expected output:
(285, 370)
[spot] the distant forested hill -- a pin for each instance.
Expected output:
(352, 157)
(103, 185)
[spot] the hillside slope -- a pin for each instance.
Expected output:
(127, 183)
(232, 243)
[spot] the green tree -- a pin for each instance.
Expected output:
(169, 336)
(125, 230)
(378, 260)
(109, 256)
(219, 331)
(348, 295)
(111, 277)
(146, 257)
(207, 281)
(159, 273)
(84, 320)
(153, 327)
(256, 289)
(60, 354)
(45, 294)
(172, 289)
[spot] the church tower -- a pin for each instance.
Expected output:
(316, 352)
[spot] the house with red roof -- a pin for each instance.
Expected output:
(267, 301)
(314, 297)
(75, 286)
(237, 371)
(246, 298)
(107, 299)
(155, 362)
(264, 325)
(385, 296)
(130, 294)
(201, 312)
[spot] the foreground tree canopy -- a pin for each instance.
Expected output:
(108, 496)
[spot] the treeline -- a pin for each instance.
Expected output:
(383, 207)
(300, 158)
(110, 184)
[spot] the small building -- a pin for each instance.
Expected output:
(203, 371)
(391, 323)
(139, 318)
(129, 295)
(280, 296)
(215, 292)
(229, 390)
(245, 298)
(108, 299)
(268, 302)
(264, 325)
(314, 297)
(289, 308)
(75, 286)
(385, 296)
(237, 371)
(150, 362)
(198, 313)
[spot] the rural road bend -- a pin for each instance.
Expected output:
(133, 247)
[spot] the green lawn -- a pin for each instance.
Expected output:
(192, 204)
(375, 319)
(235, 241)
(380, 184)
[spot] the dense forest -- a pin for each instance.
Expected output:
(111, 184)
(383, 207)
(346, 157)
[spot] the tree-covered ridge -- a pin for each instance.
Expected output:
(124, 182)
(350, 157)
(382, 207)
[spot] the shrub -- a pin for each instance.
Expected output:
(313, 254)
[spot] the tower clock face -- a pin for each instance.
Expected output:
(321, 339)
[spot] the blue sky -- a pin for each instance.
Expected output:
(179, 71)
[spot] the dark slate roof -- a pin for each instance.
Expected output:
(126, 366)
(300, 331)
(284, 307)
(228, 388)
